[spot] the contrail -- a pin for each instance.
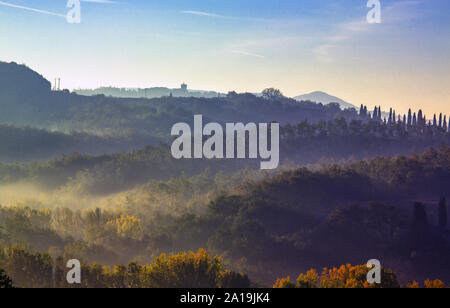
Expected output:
(204, 14)
(245, 53)
(99, 1)
(31, 9)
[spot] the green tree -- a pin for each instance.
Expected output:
(230, 279)
(5, 281)
(271, 93)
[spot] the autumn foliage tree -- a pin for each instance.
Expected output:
(434, 284)
(428, 284)
(346, 276)
(182, 270)
(190, 270)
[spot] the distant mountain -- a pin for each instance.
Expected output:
(324, 98)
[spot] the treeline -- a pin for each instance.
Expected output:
(114, 172)
(340, 139)
(332, 141)
(412, 120)
(153, 92)
(25, 144)
(183, 270)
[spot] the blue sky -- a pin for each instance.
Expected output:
(244, 45)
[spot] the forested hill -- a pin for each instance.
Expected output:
(26, 98)
(19, 80)
(101, 125)
(334, 215)
(301, 218)
(22, 91)
(25, 144)
(304, 143)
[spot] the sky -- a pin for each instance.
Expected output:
(298, 46)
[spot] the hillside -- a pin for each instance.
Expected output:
(60, 122)
(21, 81)
(264, 225)
(25, 144)
(23, 93)
(26, 99)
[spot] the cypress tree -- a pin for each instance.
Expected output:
(420, 215)
(443, 215)
(440, 120)
(409, 117)
(420, 225)
(420, 120)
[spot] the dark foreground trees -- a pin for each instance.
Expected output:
(5, 281)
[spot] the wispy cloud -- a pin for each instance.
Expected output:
(393, 14)
(100, 1)
(245, 53)
(31, 9)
